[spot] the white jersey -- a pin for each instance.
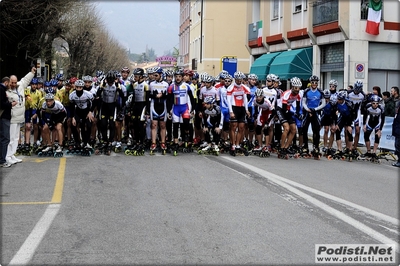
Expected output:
(83, 101)
(270, 94)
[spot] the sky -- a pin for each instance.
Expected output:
(136, 24)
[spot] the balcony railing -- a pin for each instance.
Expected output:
(325, 11)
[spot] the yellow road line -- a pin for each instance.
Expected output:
(58, 189)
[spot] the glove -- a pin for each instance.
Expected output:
(312, 110)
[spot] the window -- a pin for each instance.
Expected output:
(275, 9)
(325, 11)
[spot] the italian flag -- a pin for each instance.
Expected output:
(374, 17)
(259, 27)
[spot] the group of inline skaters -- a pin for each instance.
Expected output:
(181, 110)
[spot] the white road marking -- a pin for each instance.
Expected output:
(28, 248)
(289, 185)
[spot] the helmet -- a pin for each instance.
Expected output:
(169, 73)
(228, 76)
(238, 75)
(150, 70)
(358, 86)
(47, 84)
(295, 82)
(117, 74)
(259, 92)
(209, 100)
(208, 78)
(252, 76)
(375, 98)
(138, 71)
(179, 71)
(79, 83)
(60, 77)
(110, 77)
(203, 76)
(271, 77)
(195, 75)
(49, 96)
(99, 73)
(40, 80)
(87, 78)
(333, 82)
(158, 70)
(223, 75)
(34, 81)
(342, 95)
(72, 80)
(314, 78)
(327, 94)
(223, 72)
(125, 69)
(188, 72)
(54, 82)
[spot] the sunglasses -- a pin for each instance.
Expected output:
(314, 82)
(228, 81)
(269, 80)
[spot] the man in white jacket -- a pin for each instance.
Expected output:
(16, 92)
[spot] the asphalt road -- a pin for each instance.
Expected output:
(192, 209)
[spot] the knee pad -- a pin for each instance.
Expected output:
(258, 130)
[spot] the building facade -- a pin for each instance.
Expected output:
(326, 38)
(217, 31)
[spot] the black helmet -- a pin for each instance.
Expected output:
(110, 77)
(138, 71)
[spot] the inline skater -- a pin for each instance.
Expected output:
(250, 121)
(108, 92)
(286, 116)
(328, 122)
(207, 90)
(275, 143)
(373, 120)
(212, 122)
(136, 109)
(271, 94)
(158, 110)
(32, 100)
(62, 94)
(82, 116)
(313, 102)
(225, 112)
(180, 103)
(344, 120)
(263, 113)
(53, 122)
(238, 109)
(356, 96)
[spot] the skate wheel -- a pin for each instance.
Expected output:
(164, 152)
(175, 153)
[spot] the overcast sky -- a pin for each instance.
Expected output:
(139, 23)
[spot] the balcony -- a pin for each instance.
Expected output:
(325, 11)
(252, 37)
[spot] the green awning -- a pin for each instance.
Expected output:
(293, 63)
(261, 65)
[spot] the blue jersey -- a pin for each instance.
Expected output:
(344, 109)
(313, 98)
(328, 109)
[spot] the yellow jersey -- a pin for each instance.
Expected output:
(32, 98)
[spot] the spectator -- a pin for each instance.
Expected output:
(17, 93)
(394, 91)
(389, 104)
(396, 131)
(5, 117)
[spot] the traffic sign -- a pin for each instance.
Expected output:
(359, 71)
